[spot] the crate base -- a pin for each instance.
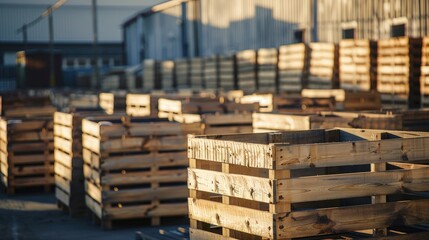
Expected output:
(12, 190)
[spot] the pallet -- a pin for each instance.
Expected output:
(135, 168)
(346, 100)
(141, 105)
(424, 79)
(26, 153)
(398, 72)
(264, 100)
(112, 102)
(252, 186)
(358, 65)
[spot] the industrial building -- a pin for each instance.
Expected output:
(188, 28)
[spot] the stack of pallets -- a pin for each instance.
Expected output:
(112, 102)
(264, 100)
(323, 66)
(358, 65)
(211, 73)
(267, 69)
(246, 70)
(424, 79)
(264, 185)
(293, 67)
(227, 72)
(182, 69)
(398, 72)
(197, 73)
(135, 168)
(149, 74)
(166, 69)
(27, 147)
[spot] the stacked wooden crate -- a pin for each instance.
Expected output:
(398, 72)
(264, 100)
(323, 66)
(271, 122)
(424, 79)
(251, 186)
(227, 74)
(166, 69)
(69, 180)
(293, 67)
(182, 70)
(140, 105)
(211, 72)
(83, 101)
(26, 148)
(149, 74)
(346, 100)
(135, 168)
(267, 69)
(196, 66)
(246, 70)
(113, 102)
(358, 65)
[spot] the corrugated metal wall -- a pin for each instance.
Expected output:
(232, 25)
(226, 26)
(373, 18)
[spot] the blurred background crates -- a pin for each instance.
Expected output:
(182, 68)
(135, 168)
(227, 72)
(323, 66)
(358, 65)
(166, 69)
(149, 74)
(398, 72)
(246, 70)
(293, 67)
(113, 102)
(267, 59)
(197, 73)
(211, 72)
(424, 79)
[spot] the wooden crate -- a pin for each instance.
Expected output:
(271, 122)
(196, 66)
(229, 123)
(113, 102)
(249, 186)
(293, 67)
(246, 70)
(135, 168)
(83, 102)
(26, 153)
(398, 72)
(69, 180)
(166, 70)
(182, 71)
(227, 72)
(11, 102)
(346, 100)
(265, 101)
(358, 65)
(322, 66)
(267, 59)
(140, 105)
(168, 107)
(211, 72)
(424, 79)
(150, 74)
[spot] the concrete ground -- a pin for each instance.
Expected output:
(36, 216)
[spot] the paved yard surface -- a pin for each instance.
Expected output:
(36, 216)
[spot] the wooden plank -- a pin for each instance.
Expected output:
(164, 176)
(145, 194)
(197, 234)
(142, 211)
(232, 217)
(145, 161)
(62, 197)
(233, 185)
